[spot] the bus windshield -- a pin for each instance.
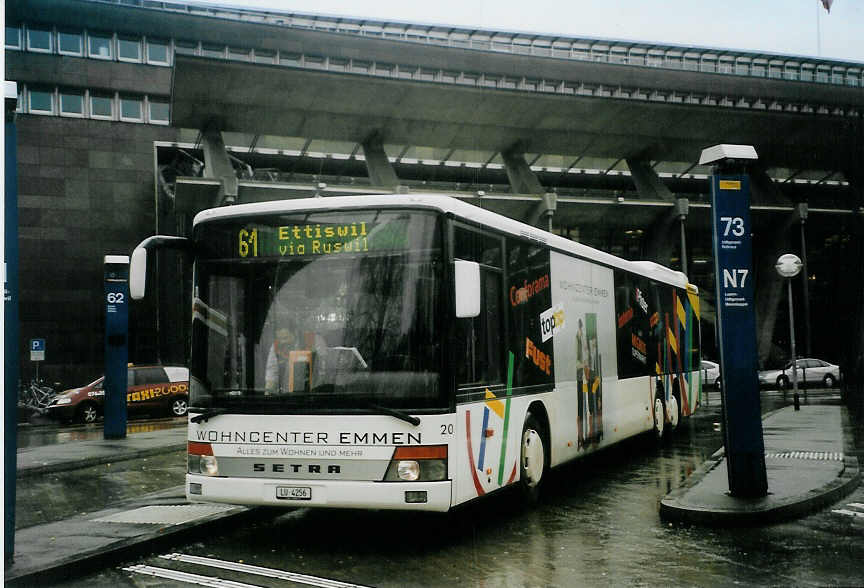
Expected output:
(318, 312)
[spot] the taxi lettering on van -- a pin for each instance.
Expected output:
(155, 392)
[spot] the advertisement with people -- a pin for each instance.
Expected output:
(582, 293)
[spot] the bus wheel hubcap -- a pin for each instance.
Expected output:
(532, 457)
(658, 415)
(673, 411)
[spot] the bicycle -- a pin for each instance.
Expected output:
(35, 396)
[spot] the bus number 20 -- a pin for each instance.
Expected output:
(446, 429)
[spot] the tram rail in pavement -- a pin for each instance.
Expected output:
(81, 543)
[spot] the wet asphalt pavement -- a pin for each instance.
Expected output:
(598, 525)
(90, 489)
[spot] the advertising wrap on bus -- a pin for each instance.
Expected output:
(329, 367)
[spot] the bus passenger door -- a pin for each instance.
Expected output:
(479, 368)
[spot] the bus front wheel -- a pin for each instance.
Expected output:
(532, 459)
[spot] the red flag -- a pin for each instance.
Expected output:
(827, 4)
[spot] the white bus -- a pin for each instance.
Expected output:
(416, 352)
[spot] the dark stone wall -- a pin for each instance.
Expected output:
(86, 190)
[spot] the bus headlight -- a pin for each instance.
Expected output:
(418, 463)
(200, 459)
(408, 470)
(209, 465)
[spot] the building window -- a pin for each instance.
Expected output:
(131, 109)
(186, 47)
(316, 61)
(41, 102)
(70, 43)
(99, 46)
(129, 49)
(469, 79)
(39, 40)
(338, 64)
(289, 58)
(158, 112)
(381, 69)
(71, 103)
(217, 51)
(157, 52)
(265, 56)
(101, 106)
(13, 37)
(238, 53)
(406, 71)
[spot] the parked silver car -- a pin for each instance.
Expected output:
(810, 371)
(710, 374)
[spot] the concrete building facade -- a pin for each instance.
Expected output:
(132, 116)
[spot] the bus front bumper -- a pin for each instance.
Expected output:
(428, 496)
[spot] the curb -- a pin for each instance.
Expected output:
(125, 549)
(64, 466)
(845, 483)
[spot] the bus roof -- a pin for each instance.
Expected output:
(456, 207)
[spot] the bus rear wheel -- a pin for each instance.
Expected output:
(674, 408)
(674, 414)
(659, 417)
(533, 459)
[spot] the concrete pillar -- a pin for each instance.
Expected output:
(767, 248)
(660, 238)
(851, 302)
(765, 192)
(217, 165)
(381, 172)
(667, 229)
(648, 183)
(544, 209)
(522, 179)
(682, 209)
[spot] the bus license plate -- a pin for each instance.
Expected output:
(294, 492)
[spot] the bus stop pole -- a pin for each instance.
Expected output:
(11, 352)
(116, 344)
(736, 318)
(792, 343)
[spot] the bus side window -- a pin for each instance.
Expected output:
(472, 245)
(479, 340)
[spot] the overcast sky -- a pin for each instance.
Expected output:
(782, 26)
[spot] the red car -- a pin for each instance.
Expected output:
(151, 390)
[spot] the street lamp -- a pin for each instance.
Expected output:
(788, 266)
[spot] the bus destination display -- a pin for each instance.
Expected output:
(296, 240)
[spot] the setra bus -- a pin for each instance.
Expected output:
(416, 352)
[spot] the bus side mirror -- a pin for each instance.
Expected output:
(138, 273)
(467, 287)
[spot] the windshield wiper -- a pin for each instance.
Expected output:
(402, 416)
(207, 414)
